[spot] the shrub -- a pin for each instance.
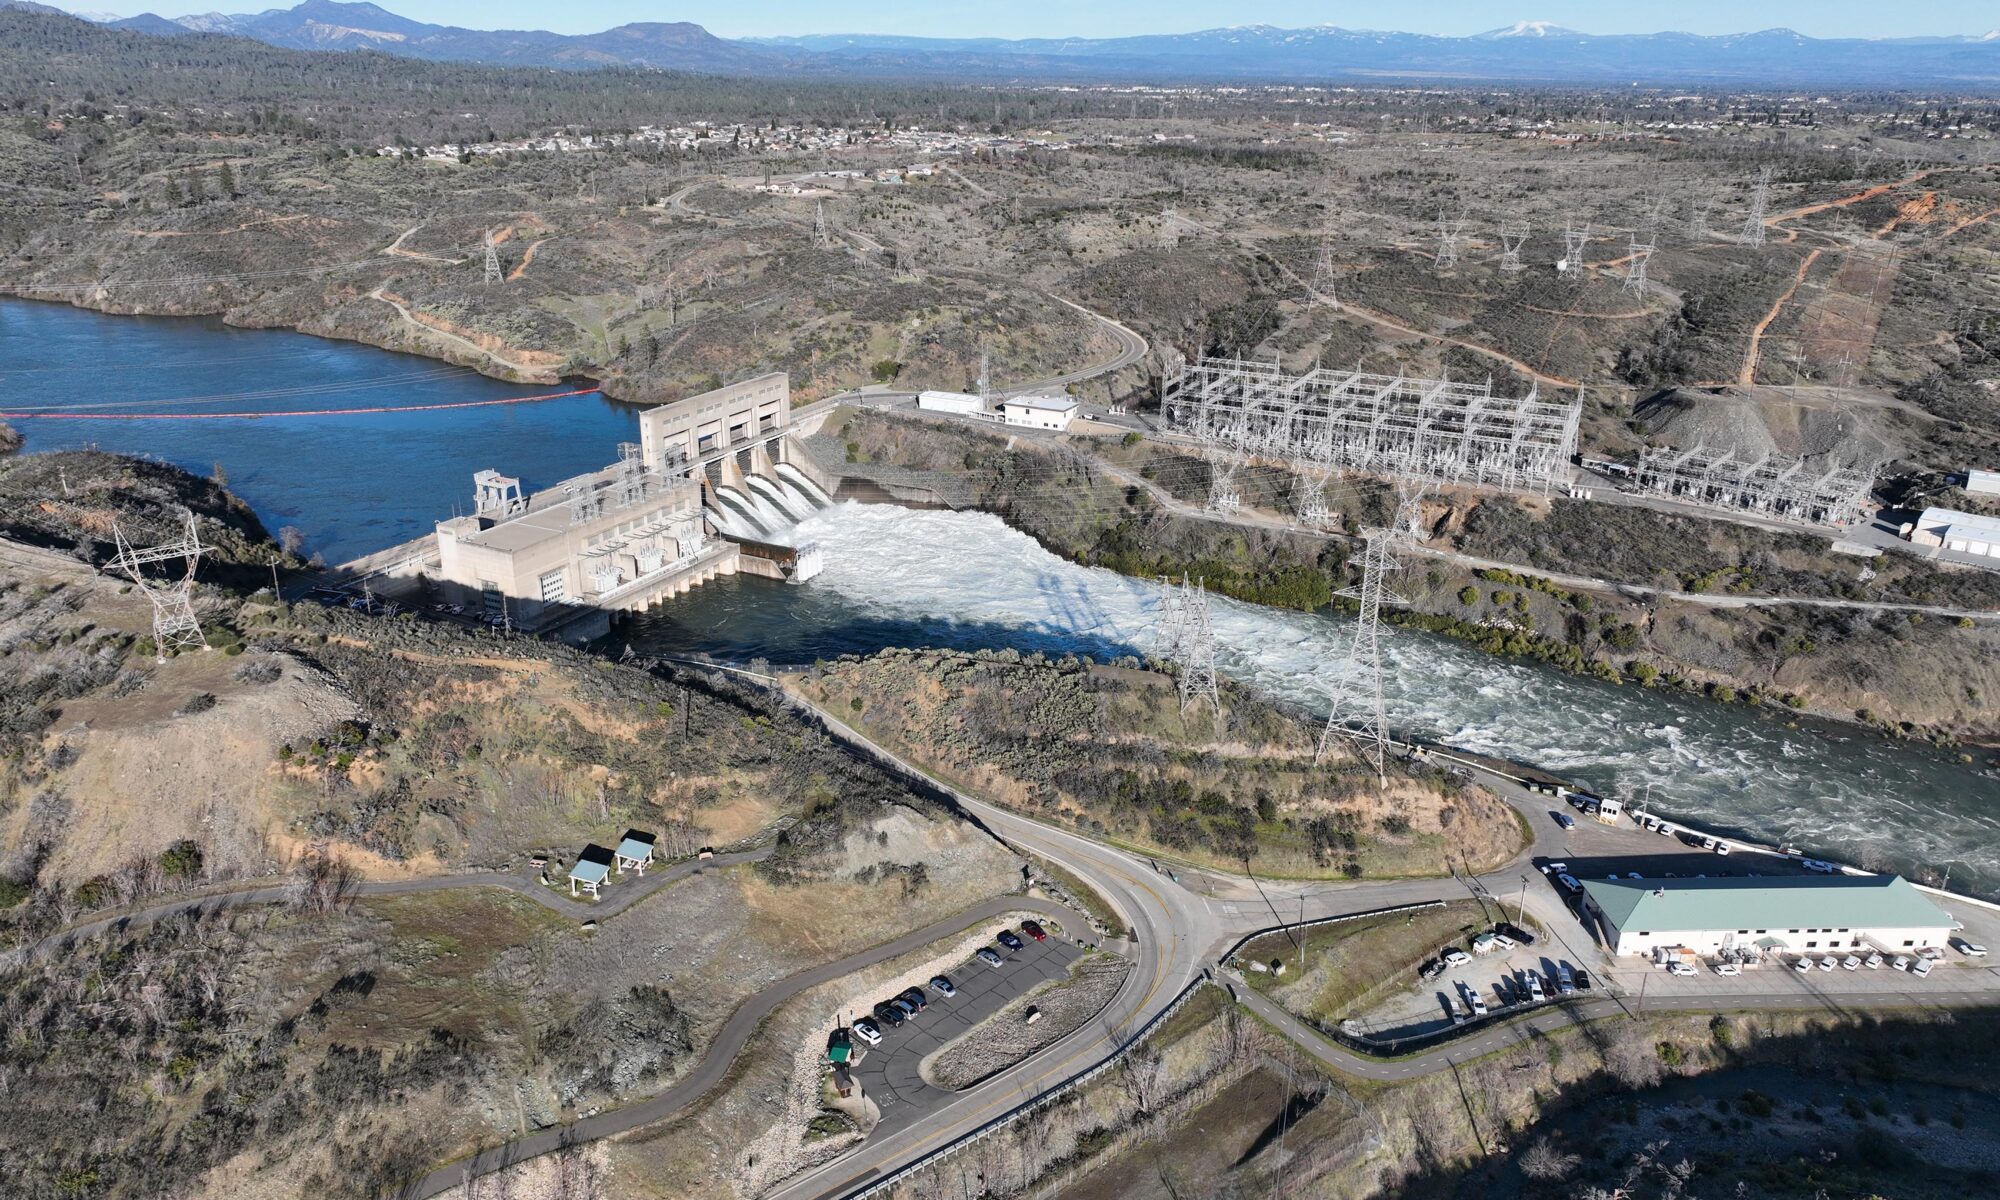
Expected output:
(1468, 595)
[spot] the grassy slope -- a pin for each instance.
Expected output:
(1107, 749)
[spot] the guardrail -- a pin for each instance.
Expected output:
(1247, 938)
(1055, 1092)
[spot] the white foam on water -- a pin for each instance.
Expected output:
(1726, 766)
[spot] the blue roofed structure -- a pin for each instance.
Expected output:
(635, 851)
(592, 868)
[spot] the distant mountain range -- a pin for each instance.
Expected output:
(1531, 51)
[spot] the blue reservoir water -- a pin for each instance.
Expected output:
(350, 483)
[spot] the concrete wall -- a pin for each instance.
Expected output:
(713, 421)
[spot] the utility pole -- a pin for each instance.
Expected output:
(493, 274)
(1450, 230)
(175, 625)
(1512, 235)
(1753, 225)
(1188, 640)
(1364, 656)
(1574, 241)
(1635, 265)
(822, 232)
(1321, 290)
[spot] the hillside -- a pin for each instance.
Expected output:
(1107, 750)
(334, 1044)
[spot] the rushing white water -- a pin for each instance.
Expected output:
(911, 577)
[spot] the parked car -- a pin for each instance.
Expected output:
(1503, 941)
(1827, 963)
(1556, 868)
(868, 1031)
(1535, 986)
(1034, 930)
(915, 996)
(888, 1014)
(1873, 962)
(1582, 980)
(1727, 969)
(1921, 967)
(1707, 843)
(1631, 875)
(1569, 881)
(1969, 949)
(1902, 963)
(904, 1006)
(1679, 968)
(1851, 963)
(944, 986)
(1721, 847)
(1804, 966)
(1431, 969)
(987, 956)
(1008, 940)
(1520, 935)
(1456, 957)
(1665, 829)
(1565, 982)
(1565, 820)
(1479, 1008)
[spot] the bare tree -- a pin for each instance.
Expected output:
(1542, 1160)
(320, 882)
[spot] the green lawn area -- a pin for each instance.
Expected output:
(1356, 963)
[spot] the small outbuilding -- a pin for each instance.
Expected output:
(963, 404)
(1982, 483)
(1039, 412)
(592, 868)
(635, 851)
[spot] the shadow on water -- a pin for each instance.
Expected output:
(742, 617)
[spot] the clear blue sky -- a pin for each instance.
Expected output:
(1110, 18)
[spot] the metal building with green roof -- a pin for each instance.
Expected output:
(1791, 912)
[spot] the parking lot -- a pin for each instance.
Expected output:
(888, 1072)
(1500, 979)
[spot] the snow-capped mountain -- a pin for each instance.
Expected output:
(1525, 52)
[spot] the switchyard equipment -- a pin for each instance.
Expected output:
(1770, 484)
(1436, 429)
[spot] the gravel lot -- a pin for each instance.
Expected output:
(1006, 1038)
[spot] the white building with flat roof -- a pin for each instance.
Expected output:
(1961, 533)
(963, 404)
(1796, 913)
(1039, 412)
(1982, 483)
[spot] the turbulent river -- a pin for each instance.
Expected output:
(898, 577)
(903, 577)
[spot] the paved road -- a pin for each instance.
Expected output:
(1253, 520)
(620, 896)
(721, 1053)
(889, 1073)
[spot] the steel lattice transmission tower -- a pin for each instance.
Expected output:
(1321, 290)
(985, 374)
(1512, 235)
(1187, 639)
(1760, 200)
(1357, 713)
(1170, 230)
(1312, 507)
(822, 232)
(1222, 494)
(175, 625)
(1575, 240)
(1641, 253)
(493, 274)
(1450, 231)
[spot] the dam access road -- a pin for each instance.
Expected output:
(1181, 921)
